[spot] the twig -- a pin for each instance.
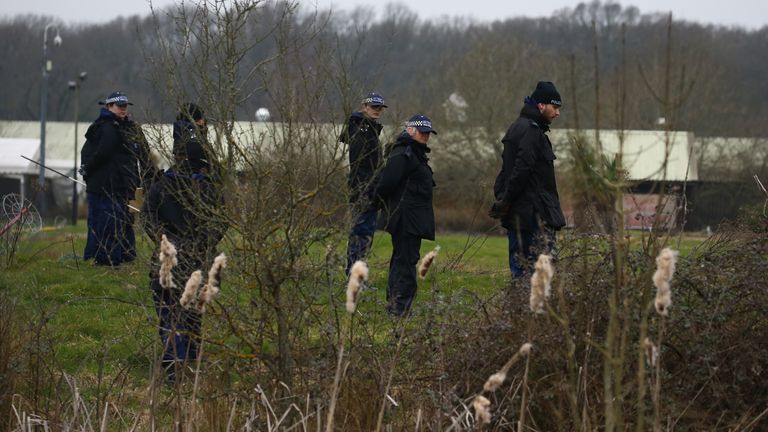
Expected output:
(761, 415)
(657, 381)
(759, 183)
(74, 254)
(380, 420)
(524, 398)
(104, 418)
(335, 390)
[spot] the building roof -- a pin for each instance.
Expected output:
(727, 157)
(11, 163)
(23, 138)
(60, 141)
(644, 152)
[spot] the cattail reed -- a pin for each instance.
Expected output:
(665, 269)
(651, 352)
(541, 283)
(211, 288)
(358, 274)
(427, 262)
(497, 379)
(525, 349)
(482, 407)
(168, 260)
(190, 289)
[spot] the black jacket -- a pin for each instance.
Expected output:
(115, 157)
(404, 189)
(187, 208)
(526, 185)
(362, 136)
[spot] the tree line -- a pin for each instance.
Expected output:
(714, 73)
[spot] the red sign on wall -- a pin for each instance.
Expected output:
(645, 211)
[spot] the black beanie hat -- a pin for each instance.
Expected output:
(190, 110)
(546, 93)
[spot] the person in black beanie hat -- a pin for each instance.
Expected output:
(184, 204)
(190, 136)
(191, 111)
(546, 93)
(527, 202)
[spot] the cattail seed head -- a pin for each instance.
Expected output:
(482, 405)
(494, 381)
(541, 283)
(651, 352)
(190, 289)
(358, 274)
(665, 269)
(537, 294)
(211, 289)
(426, 263)
(525, 349)
(168, 261)
(214, 274)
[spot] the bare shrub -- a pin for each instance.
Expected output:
(10, 345)
(281, 183)
(282, 353)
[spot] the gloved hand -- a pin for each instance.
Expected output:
(499, 209)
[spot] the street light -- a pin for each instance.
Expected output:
(44, 109)
(75, 85)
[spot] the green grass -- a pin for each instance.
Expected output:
(103, 316)
(92, 317)
(471, 258)
(88, 314)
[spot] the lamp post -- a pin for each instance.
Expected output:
(44, 110)
(75, 85)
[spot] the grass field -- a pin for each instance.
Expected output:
(91, 332)
(100, 316)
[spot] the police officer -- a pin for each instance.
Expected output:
(527, 202)
(115, 162)
(361, 134)
(404, 192)
(184, 205)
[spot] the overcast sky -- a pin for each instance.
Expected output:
(751, 14)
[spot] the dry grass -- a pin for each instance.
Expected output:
(433, 363)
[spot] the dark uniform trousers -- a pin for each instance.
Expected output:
(405, 194)
(401, 287)
(179, 328)
(361, 237)
(111, 239)
(195, 232)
